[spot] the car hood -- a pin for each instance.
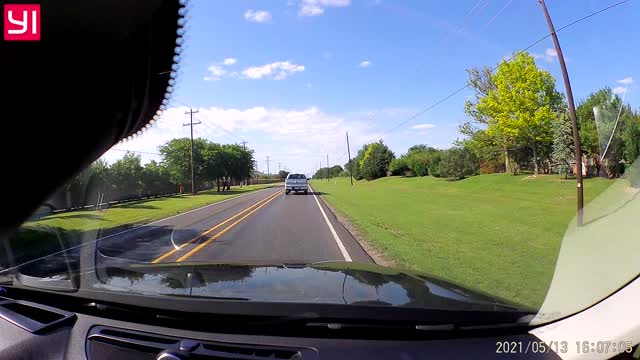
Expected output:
(326, 282)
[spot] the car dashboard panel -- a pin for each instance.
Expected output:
(85, 336)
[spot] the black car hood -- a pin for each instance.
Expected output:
(323, 283)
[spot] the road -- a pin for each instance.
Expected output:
(264, 226)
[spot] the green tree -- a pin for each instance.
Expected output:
(375, 161)
(126, 174)
(630, 135)
(398, 166)
(155, 179)
(176, 158)
(523, 105)
(283, 174)
(563, 153)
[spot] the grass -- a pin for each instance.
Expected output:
(496, 233)
(40, 237)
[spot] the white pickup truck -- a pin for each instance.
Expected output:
(295, 183)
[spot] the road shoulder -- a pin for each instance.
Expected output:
(351, 231)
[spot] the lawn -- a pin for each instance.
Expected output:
(38, 238)
(497, 233)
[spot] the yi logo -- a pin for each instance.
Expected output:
(21, 22)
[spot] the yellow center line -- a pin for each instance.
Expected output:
(211, 239)
(172, 251)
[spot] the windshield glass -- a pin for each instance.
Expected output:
(445, 161)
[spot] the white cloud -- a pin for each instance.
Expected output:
(619, 90)
(317, 7)
(290, 136)
(277, 70)
(626, 81)
(550, 54)
(216, 72)
(365, 64)
(423, 126)
(229, 61)
(257, 16)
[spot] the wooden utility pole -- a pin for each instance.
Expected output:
(350, 164)
(572, 114)
(190, 124)
(268, 171)
(327, 167)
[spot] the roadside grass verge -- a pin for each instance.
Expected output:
(496, 233)
(60, 231)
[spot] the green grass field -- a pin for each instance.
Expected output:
(497, 233)
(38, 238)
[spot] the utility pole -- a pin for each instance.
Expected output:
(572, 114)
(268, 172)
(244, 145)
(279, 168)
(190, 124)
(350, 164)
(327, 167)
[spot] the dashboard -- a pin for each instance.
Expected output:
(84, 336)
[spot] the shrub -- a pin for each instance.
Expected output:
(457, 163)
(398, 166)
(376, 160)
(434, 165)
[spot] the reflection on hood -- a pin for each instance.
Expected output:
(327, 283)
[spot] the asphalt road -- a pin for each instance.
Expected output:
(264, 226)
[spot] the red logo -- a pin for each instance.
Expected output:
(22, 22)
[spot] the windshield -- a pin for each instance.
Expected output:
(445, 158)
(296, 177)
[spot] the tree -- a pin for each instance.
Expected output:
(283, 174)
(375, 161)
(176, 158)
(563, 153)
(398, 166)
(630, 135)
(126, 174)
(457, 163)
(523, 104)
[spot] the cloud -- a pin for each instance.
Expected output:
(308, 85)
(626, 81)
(257, 16)
(365, 64)
(619, 90)
(293, 136)
(216, 73)
(423, 126)
(550, 54)
(317, 7)
(229, 61)
(277, 70)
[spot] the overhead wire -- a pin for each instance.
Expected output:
(495, 67)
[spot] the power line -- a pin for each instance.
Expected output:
(495, 67)
(495, 16)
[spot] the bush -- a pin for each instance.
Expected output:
(398, 166)
(457, 163)
(375, 161)
(434, 165)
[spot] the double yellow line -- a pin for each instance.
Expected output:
(246, 212)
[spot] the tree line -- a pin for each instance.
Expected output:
(216, 166)
(517, 122)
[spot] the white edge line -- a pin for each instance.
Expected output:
(343, 250)
(187, 212)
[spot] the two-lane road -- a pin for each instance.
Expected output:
(265, 226)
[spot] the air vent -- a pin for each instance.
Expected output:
(35, 318)
(110, 343)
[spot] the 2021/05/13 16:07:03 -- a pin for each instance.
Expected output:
(582, 347)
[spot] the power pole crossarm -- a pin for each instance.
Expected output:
(190, 124)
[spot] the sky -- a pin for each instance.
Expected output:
(292, 77)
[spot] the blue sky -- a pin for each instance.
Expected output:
(292, 76)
